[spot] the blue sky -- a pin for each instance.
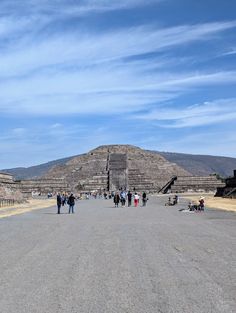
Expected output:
(159, 74)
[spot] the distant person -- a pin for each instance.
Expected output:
(169, 202)
(123, 198)
(116, 199)
(144, 198)
(176, 199)
(129, 197)
(58, 203)
(136, 199)
(63, 199)
(201, 204)
(71, 203)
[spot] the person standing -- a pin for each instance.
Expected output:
(71, 203)
(144, 198)
(116, 199)
(136, 199)
(123, 198)
(129, 197)
(58, 203)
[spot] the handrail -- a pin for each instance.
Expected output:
(167, 185)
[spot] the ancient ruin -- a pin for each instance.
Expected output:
(9, 190)
(111, 168)
(229, 188)
(181, 184)
(42, 186)
(18, 190)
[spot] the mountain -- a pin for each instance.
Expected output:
(202, 165)
(34, 171)
(199, 165)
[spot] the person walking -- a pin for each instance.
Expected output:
(71, 203)
(58, 203)
(116, 199)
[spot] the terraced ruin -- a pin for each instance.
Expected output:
(113, 167)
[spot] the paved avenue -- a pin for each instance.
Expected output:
(123, 260)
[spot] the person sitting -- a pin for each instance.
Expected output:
(175, 200)
(201, 205)
(169, 202)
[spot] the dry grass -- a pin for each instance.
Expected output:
(33, 204)
(214, 202)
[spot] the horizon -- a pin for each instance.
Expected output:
(157, 74)
(77, 155)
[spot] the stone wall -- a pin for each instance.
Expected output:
(9, 189)
(18, 190)
(42, 186)
(196, 184)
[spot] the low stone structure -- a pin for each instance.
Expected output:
(20, 189)
(42, 186)
(229, 188)
(9, 189)
(195, 184)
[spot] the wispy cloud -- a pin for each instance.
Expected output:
(91, 73)
(208, 113)
(68, 7)
(64, 62)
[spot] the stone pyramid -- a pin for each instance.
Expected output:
(113, 167)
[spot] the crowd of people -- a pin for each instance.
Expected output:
(122, 197)
(192, 206)
(173, 201)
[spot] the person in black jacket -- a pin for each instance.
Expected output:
(58, 203)
(116, 199)
(129, 196)
(71, 203)
(144, 198)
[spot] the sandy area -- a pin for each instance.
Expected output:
(33, 204)
(214, 202)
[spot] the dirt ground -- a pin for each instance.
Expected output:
(214, 202)
(30, 205)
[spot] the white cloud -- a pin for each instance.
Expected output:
(57, 8)
(86, 73)
(80, 49)
(208, 113)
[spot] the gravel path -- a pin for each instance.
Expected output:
(104, 259)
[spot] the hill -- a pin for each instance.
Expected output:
(202, 165)
(34, 171)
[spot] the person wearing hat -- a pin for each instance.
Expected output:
(201, 204)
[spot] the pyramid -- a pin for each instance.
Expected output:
(112, 167)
